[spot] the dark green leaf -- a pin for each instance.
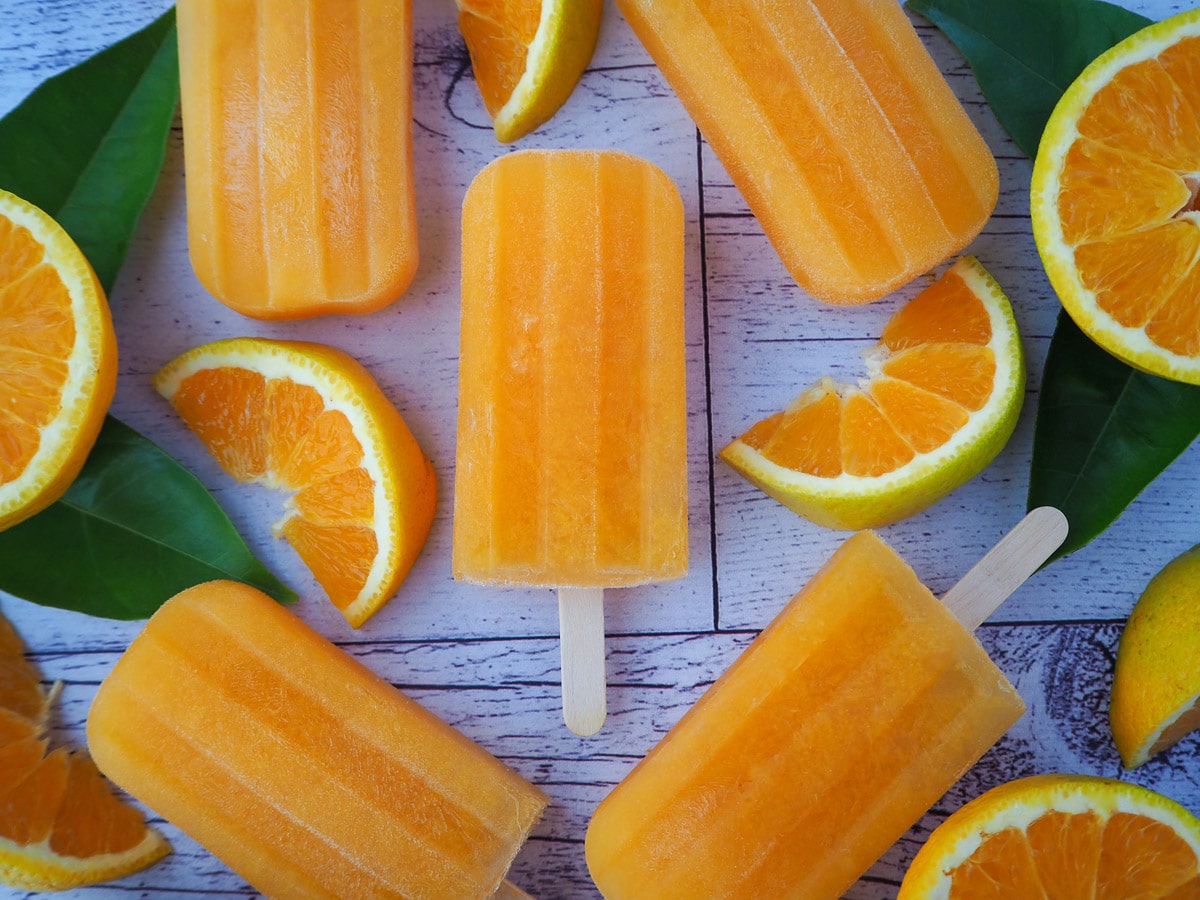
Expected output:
(116, 544)
(87, 145)
(1026, 52)
(1104, 432)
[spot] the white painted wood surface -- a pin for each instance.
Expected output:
(487, 661)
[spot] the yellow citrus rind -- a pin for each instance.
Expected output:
(36, 867)
(1156, 679)
(854, 502)
(1016, 804)
(92, 372)
(404, 482)
(1130, 344)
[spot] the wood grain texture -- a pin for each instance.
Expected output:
(487, 660)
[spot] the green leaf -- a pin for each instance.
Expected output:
(136, 527)
(88, 144)
(1104, 432)
(116, 546)
(1026, 52)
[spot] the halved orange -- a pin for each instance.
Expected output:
(309, 419)
(942, 397)
(1156, 678)
(60, 824)
(527, 56)
(1114, 199)
(1061, 836)
(58, 360)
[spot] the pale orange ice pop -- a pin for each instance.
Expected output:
(571, 468)
(837, 127)
(303, 771)
(837, 728)
(297, 129)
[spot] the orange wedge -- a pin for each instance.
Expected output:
(58, 360)
(60, 825)
(527, 56)
(942, 397)
(310, 420)
(1061, 836)
(1114, 199)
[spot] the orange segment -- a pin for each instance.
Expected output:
(60, 825)
(310, 420)
(1113, 199)
(498, 35)
(870, 445)
(946, 385)
(1061, 836)
(58, 360)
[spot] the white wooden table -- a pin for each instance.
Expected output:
(487, 661)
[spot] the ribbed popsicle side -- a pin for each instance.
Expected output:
(836, 126)
(298, 152)
(299, 768)
(571, 465)
(849, 716)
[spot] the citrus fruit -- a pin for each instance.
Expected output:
(60, 824)
(1114, 199)
(1156, 682)
(1060, 836)
(527, 56)
(58, 360)
(945, 386)
(309, 419)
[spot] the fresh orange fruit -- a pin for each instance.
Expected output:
(527, 56)
(1061, 836)
(944, 391)
(60, 824)
(309, 419)
(1156, 680)
(1114, 199)
(58, 360)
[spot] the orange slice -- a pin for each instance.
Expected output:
(1061, 836)
(943, 394)
(309, 419)
(60, 824)
(527, 56)
(1114, 199)
(58, 360)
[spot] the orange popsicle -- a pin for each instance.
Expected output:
(837, 127)
(302, 770)
(571, 468)
(297, 124)
(837, 728)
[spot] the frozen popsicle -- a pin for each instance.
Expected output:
(303, 771)
(571, 464)
(835, 730)
(297, 129)
(836, 126)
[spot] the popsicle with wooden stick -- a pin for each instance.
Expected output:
(571, 466)
(836, 729)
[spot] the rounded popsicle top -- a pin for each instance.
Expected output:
(571, 463)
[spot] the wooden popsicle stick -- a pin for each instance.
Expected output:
(581, 643)
(1005, 567)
